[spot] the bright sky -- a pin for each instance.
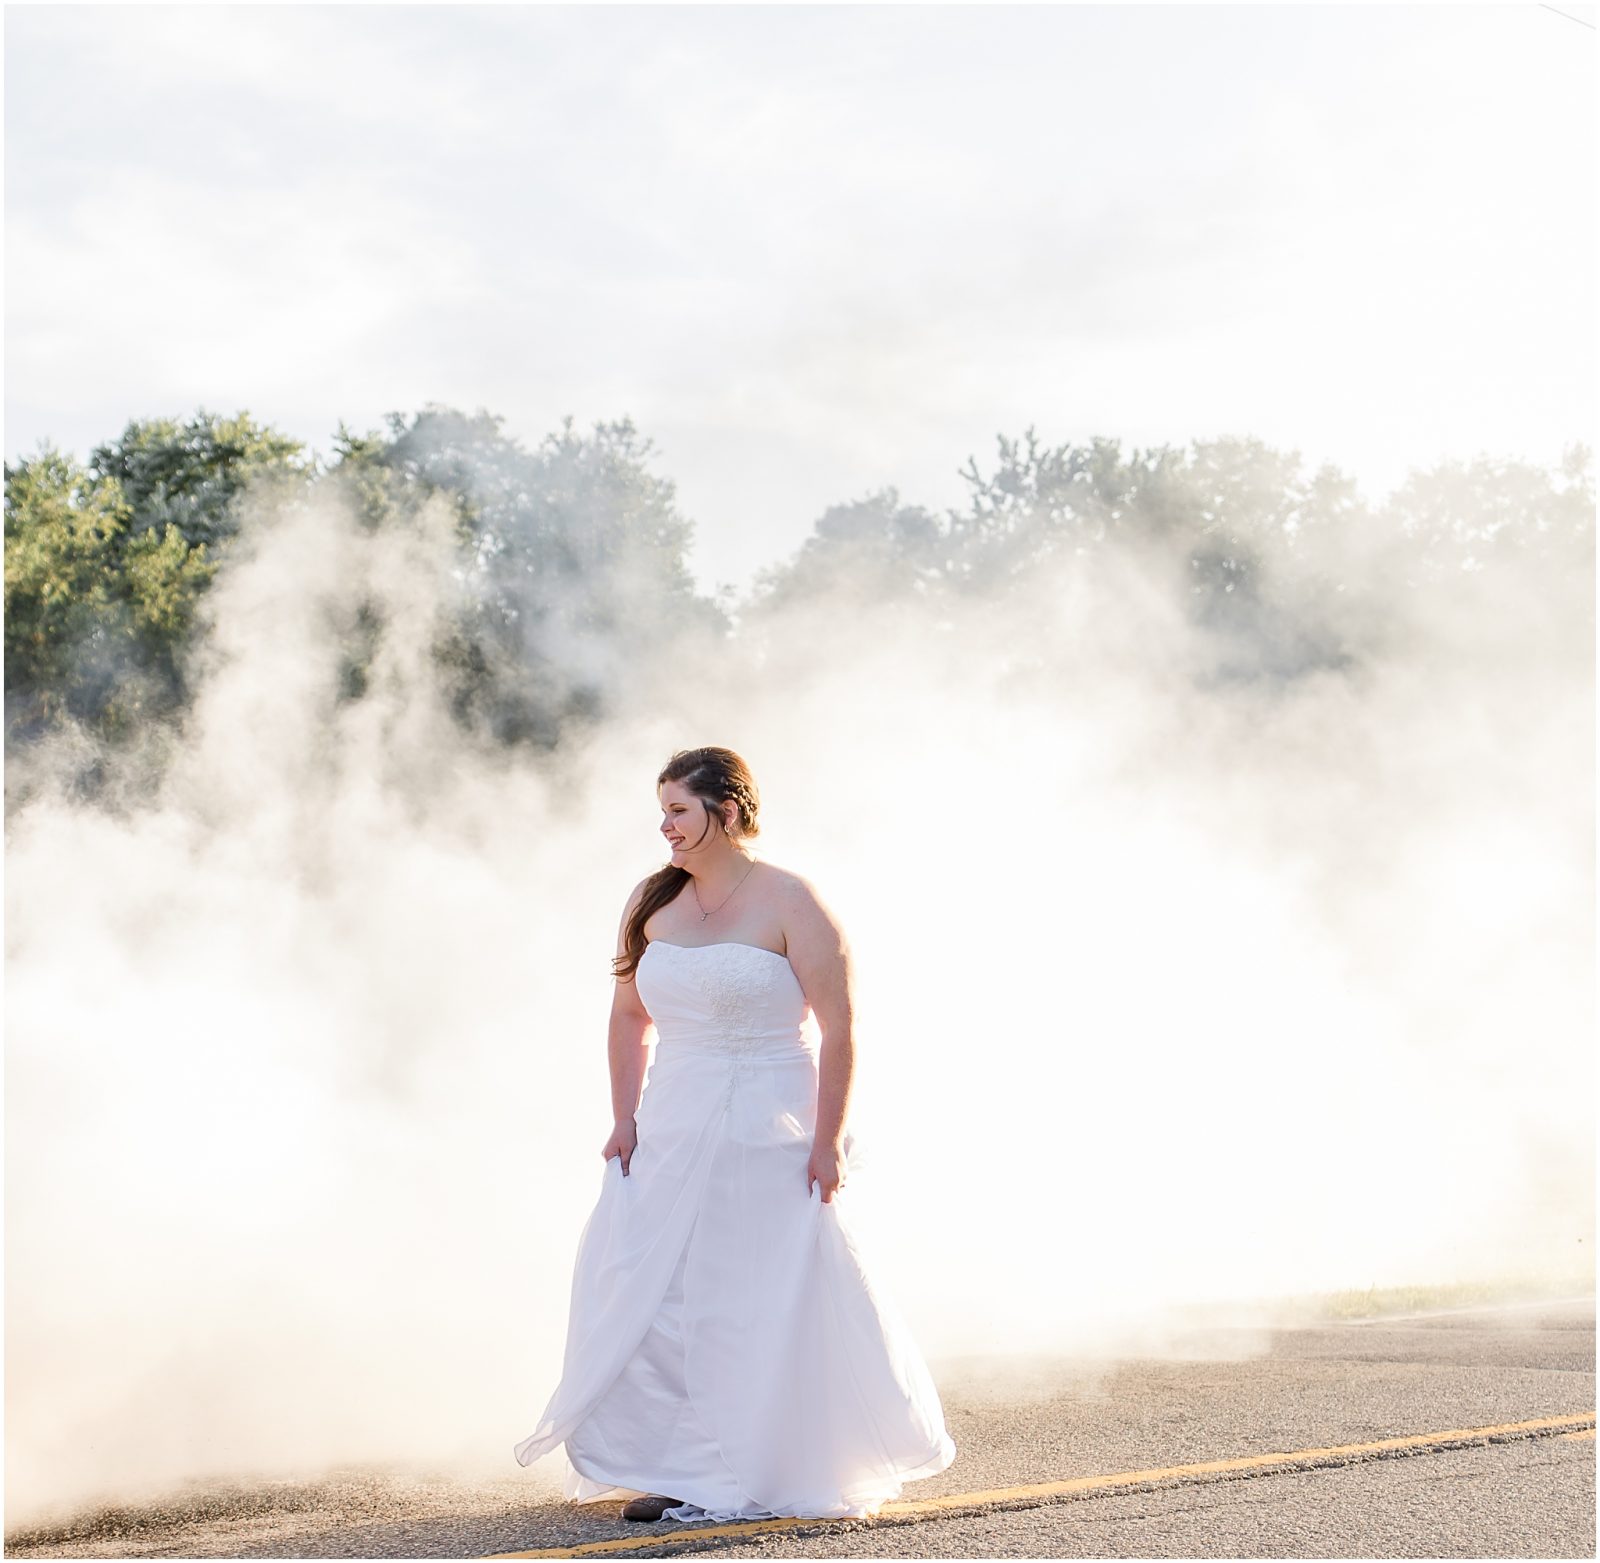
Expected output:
(811, 250)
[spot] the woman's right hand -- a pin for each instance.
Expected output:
(624, 1137)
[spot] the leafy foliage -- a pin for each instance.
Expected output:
(574, 560)
(187, 476)
(572, 557)
(97, 612)
(1287, 573)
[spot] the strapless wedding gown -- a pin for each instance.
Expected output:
(727, 1344)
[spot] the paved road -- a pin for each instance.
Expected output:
(1322, 1398)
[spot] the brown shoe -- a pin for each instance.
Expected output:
(649, 1507)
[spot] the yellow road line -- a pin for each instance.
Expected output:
(903, 1512)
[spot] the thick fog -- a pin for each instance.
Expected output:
(1207, 959)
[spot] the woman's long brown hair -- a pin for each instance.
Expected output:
(715, 776)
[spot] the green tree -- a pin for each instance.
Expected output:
(1282, 572)
(105, 564)
(96, 618)
(189, 475)
(60, 527)
(866, 551)
(574, 561)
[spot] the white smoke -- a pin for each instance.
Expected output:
(1168, 995)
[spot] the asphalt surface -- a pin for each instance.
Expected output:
(1517, 1493)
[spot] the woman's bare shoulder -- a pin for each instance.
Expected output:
(789, 884)
(803, 905)
(635, 896)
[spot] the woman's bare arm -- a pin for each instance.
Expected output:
(821, 958)
(628, 1049)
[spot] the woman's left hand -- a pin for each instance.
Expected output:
(825, 1168)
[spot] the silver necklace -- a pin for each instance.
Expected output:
(704, 914)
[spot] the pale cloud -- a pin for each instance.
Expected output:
(811, 250)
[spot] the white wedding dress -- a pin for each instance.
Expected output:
(726, 1343)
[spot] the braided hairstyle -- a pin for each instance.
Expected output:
(715, 776)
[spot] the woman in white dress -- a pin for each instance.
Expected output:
(729, 1354)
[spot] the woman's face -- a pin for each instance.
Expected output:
(684, 821)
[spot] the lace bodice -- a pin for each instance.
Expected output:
(736, 1002)
(737, 999)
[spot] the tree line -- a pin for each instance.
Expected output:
(107, 562)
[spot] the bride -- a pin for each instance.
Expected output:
(730, 1353)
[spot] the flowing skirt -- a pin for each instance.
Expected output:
(727, 1344)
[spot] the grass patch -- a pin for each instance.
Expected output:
(1521, 1286)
